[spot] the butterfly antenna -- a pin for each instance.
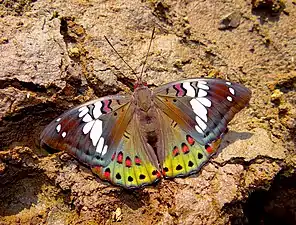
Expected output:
(147, 53)
(120, 56)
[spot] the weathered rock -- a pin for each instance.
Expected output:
(54, 56)
(33, 53)
(231, 20)
(249, 146)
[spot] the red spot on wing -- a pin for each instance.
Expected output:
(113, 156)
(128, 162)
(209, 149)
(119, 157)
(164, 170)
(213, 147)
(176, 151)
(137, 161)
(107, 175)
(156, 173)
(185, 148)
(190, 140)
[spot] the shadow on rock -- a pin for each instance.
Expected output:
(20, 195)
(268, 10)
(233, 136)
(21, 180)
(275, 206)
(134, 199)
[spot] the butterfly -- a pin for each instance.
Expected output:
(135, 140)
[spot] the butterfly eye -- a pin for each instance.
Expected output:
(174, 100)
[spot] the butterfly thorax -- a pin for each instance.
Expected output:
(145, 110)
(142, 97)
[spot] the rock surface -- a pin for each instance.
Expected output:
(54, 56)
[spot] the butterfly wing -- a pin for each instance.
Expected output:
(98, 134)
(179, 153)
(201, 110)
(133, 163)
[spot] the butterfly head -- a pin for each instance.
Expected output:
(140, 84)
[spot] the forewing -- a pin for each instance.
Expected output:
(202, 107)
(89, 130)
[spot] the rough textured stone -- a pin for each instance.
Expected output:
(249, 145)
(54, 56)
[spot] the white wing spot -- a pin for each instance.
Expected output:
(83, 112)
(87, 127)
(199, 109)
(64, 134)
(201, 123)
(203, 86)
(104, 150)
(229, 98)
(202, 82)
(97, 110)
(100, 145)
(58, 119)
(58, 128)
(87, 118)
(231, 90)
(82, 108)
(198, 129)
(228, 83)
(190, 91)
(96, 132)
(206, 102)
(202, 93)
